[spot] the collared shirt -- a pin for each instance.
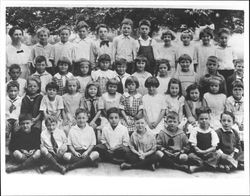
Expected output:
(81, 139)
(225, 131)
(85, 103)
(51, 107)
(17, 108)
(226, 57)
(147, 43)
(123, 78)
(236, 107)
(45, 78)
(61, 81)
(142, 77)
(114, 137)
(22, 85)
(58, 135)
(83, 48)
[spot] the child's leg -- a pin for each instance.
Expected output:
(103, 152)
(120, 153)
(148, 162)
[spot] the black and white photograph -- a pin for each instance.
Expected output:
(143, 97)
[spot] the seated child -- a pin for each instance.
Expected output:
(25, 144)
(142, 146)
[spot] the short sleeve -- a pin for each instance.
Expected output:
(69, 142)
(215, 138)
(60, 103)
(103, 139)
(193, 138)
(125, 141)
(100, 104)
(93, 138)
(44, 104)
(122, 103)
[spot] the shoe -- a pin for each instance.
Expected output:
(157, 165)
(227, 169)
(152, 167)
(95, 164)
(125, 166)
(43, 168)
(11, 169)
(63, 170)
(241, 166)
(117, 161)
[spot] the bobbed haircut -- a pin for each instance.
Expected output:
(152, 81)
(168, 32)
(78, 86)
(206, 31)
(13, 29)
(104, 57)
(52, 85)
(193, 87)
(83, 61)
(237, 84)
(174, 81)
(202, 110)
(40, 59)
(112, 81)
(91, 83)
(229, 114)
(165, 62)
(187, 32)
(130, 80)
(184, 57)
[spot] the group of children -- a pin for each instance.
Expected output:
(134, 103)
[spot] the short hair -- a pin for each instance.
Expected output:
(139, 117)
(13, 29)
(12, 84)
(104, 57)
(127, 21)
(121, 61)
(206, 31)
(42, 29)
(101, 26)
(64, 59)
(224, 30)
(112, 81)
(37, 80)
(51, 119)
(83, 60)
(14, 66)
(52, 85)
(141, 58)
(79, 111)
(239, 60)
(152, 81)
(144, 22)
(25, 116)
(184, 57)
(92, 83)
(40, 59)
(81, 24)
(228, 113)
(78, 86)
(193, 87)
(174, 81)
(132, 79)
(213, 59)
(113, 110)
(202, 110)
(216, 80)
(163, 61)
(64, 27)
(172, 115)
(168, 32)
(188, 32)
(237, 83)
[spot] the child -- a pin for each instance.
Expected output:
(168, 50)
(215, 100)
(124, 46)
(131, 104)
(45, 77)
(42, 48)
(84, 74)
(163, 76)
(143, 147)
(25, 144)
(203, 141)
(12, 111)
(103, 74)
(154, 106)
(229, 144)
(114, 140)
(53, 145)
(81, 141)
(225, 53)
(32, 100)
(146, 46)
(141, 74)
(64, 66)
(172, 143)
(15, 72)
(186, 75)
(121, 75)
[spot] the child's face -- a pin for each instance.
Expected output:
(84, 68)
(51, 126)
(163, 69)
(239, 67)
(17, 35)
(126, 29)
(103, 33)
(140, 66)
(214, 87)
(92, 91)
(32, 87)
(204, 120)
(194, 94)
(144, 30)
(15, 73)
(64, 35)
(63, 68)
(104, 65)
(185, 65)
(223, 39)
(206, 39)
(172, 123)
(72, 86)
(43, 37)
(174, 89)
(51, 92)
(140, 125)
(238, 93)
(114, 119)
(131, 87)
(186, 39)
(212, 66)
(167, 38)
(40, 67)
(152, 90)
(13, 92)
(81, 119)
(227, 122)
(26, 126)
(112, 88)
(83, 32)
(121, 69)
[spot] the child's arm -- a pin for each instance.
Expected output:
(124, 116)
(139, 113)
(72, 149)
(147, 119)
(88, 151)
(190, 117)
(114, 50)
(96, 117)
(162, 114)
(37, 118)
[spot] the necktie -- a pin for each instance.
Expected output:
(53, 142)
(12, 107)
(92, 110)
(120, 86)
(104, 42)
(237, 104)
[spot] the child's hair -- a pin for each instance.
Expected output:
(172, 115)
(78, 86)
(104, 57)
(24, 116)
(64, 28)
(237, 83)
(163, 61)
(112, 81)
(91, 83)
(216, 79)
(224, 30)
(193, 87)
(174, 81)
(206, 31)
(228, 113)
(40, 59)
(81, 24)
(139, 117)
(14, 66)
(81, 61)
(144, 22)
(113, 110)
(79, 111)
(12, 30)
(42, 29)
(168, 32)
(65, 60)
(152, 81)
(50, 119)
(120, 61)
(238, 60)
(12, 84)
(37, 80)
(185, 57)
(127, 21)
(52, 85)
(188, 32)
(202, 110)
(101, 26)
(213, 59)
(132, 79)
(141, 58)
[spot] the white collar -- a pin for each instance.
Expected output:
(149, 38)
(137, 95)
(125, 37)
(13, 100)
(231, 131)
(43, 74)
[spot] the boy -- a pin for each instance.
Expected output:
(124, 46)
(172, 144)
(114, 139)
(45, 77)
(25, 144)
(53, 145)
(12, 111)
(15, 72)
(142, 146)
(146, 46)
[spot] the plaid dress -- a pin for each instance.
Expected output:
(60, 80)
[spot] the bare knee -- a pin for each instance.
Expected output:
(183, 157)
(67, 156)
(94, 155)
(44, 151)
(18, 155)
(37, 154)
(159, 154)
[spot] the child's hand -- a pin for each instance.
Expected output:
(77, 154)
(92, 124)
(151, 125)
(31, 152)
(154, 125)
(84, 154)
(142, 156)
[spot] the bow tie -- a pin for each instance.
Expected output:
(106, 42)
(20, 51)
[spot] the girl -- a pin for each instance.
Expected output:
(32, 100)
(131, 104)
(163, 76)
(154, 106)
(141, 74)
(215, 100)
(84, 74)
(64, 66)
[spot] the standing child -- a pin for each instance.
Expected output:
(81, 141)
(125, 46)
(163, 77)
(142, 148)
(154, 106)
(131, 104)
(25, 144)
(141, 74)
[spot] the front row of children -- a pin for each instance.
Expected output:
(205, 148)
